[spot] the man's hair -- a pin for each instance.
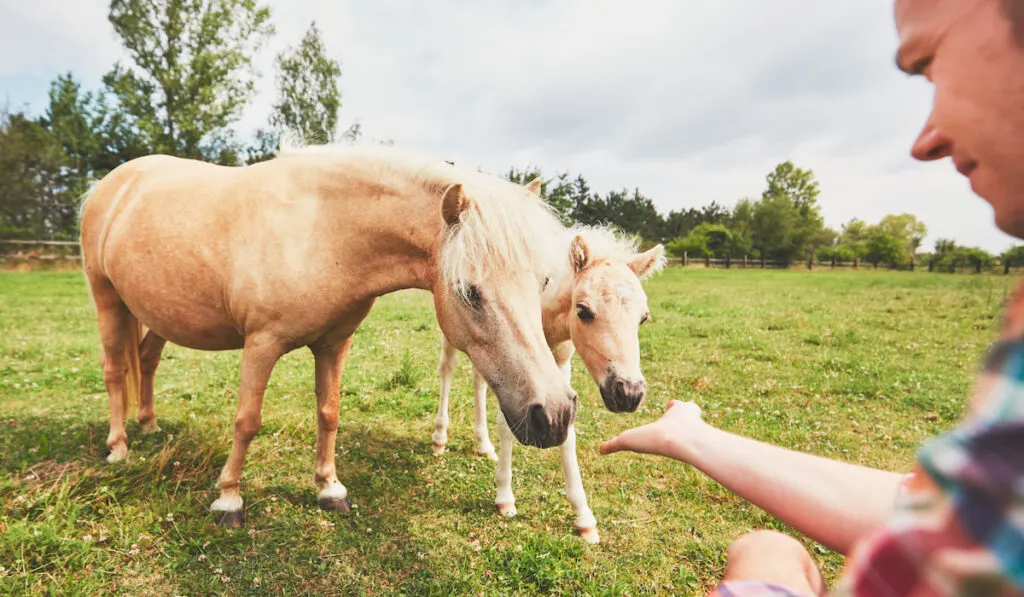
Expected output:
(1014, 10)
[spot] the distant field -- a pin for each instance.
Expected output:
(854, 365)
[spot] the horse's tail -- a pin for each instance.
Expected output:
(133, 375)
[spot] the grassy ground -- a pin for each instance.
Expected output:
(854, 365)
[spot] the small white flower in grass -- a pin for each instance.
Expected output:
(170, 517)
(176, 463)
(225, 579)
(87, 538)
(218, 571)
(134, 551)
(256, 581)
(205, 544)
(202, 557)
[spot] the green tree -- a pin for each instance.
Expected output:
(787, 222)
(189, 72)
(772, 227)
(907, 228)
(33, 203)
(557, 191)
(308, 97)
(883, 247)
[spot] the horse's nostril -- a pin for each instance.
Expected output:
(573, 398)
(539, 424)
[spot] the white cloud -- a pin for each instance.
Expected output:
(690, 102)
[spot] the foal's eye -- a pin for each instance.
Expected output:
(473, 298)
(584, 313)
(643, 318)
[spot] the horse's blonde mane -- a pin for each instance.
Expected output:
(505, 230)
(606, 243)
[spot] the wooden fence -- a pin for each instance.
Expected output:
(762, 263)
(39, 250)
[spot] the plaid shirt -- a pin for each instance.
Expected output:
(958, 524)
(958, 528)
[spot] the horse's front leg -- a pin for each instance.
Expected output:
(258, 359)
(330, 363)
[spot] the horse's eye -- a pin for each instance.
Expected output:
(473, 298)
(547, 280)
(644, 318)
(584, 313)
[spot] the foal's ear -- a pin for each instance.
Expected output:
(648, 262)
(534, 186)
(453, 204)
(579, 254)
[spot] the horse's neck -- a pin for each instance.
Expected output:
(392, 237)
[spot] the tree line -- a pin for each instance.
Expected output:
(189, 75)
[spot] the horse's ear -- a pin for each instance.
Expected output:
(453, 204)
(648, 262)
(579, 254)
(534, 186)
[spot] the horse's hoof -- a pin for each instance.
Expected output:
(589, 535)
(335, 504)
(229, 519)
(150, 427)
(507, 510)
(491, 455)
(117, 453)
(438, 449)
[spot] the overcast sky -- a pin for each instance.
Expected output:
(689, 101)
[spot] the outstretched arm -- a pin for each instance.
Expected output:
(832, 502)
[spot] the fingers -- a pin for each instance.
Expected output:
(611, 446)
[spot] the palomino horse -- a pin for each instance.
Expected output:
(595, 305)
(293, 252)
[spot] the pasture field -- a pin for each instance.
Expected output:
(860, 366)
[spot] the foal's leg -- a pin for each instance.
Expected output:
(484, 447)
(505, 501)
(150, 350)
(446, 369)
(258, 359)
(330, 363)
(586, 524)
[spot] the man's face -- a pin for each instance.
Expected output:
(967, 50)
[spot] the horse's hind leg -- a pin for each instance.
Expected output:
(258, 359)
(149, 357)
(119, 336)
(330, 364)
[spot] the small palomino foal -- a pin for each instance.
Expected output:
(593, 305)
(292, 252)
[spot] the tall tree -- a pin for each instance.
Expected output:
(32, 201)
(189, 73)
(308, 97)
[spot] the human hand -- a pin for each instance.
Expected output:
(663, 437)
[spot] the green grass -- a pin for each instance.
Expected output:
(860, 366)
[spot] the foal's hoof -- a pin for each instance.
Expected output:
(491, 455)
(335, 504)
(507, 510)
(229, 519)
(117, 453)
(438, 449)
(589, 535)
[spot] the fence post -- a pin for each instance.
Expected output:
(912, 265)
(684, 258)
(744, 262)
(1006, 268)
(707, 261)
(763, 261)
(977, 266)
(931, 265)
(856, 262)
(833, 261)
(728, 261)
(810, 261)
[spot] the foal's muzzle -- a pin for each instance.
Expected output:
(623, 395)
